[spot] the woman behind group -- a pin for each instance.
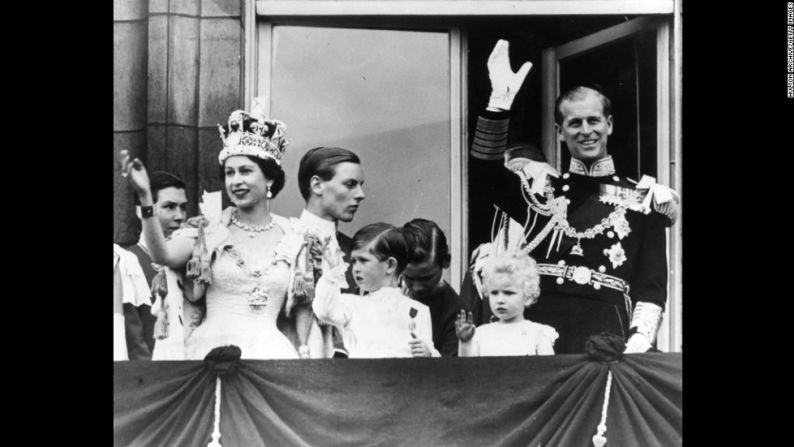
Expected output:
(244, 261)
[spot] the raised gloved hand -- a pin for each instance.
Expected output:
(504, 83)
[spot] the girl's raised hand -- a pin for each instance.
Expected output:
(464, 326)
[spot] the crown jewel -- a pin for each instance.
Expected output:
(253, 134)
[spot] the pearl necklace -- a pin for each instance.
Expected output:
(253, 229)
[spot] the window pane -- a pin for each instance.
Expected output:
(385, 95)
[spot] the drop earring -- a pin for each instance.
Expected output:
(268, 196)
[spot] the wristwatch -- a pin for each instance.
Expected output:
(147, 211)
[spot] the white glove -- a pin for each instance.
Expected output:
(646, 318)
(668, 208)
(662, 199)
(539, 172)
(637, 344)
(504, 83)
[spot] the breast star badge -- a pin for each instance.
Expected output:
(616, 255)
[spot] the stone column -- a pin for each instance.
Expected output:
(130, 35)
(220, 82)
(178, 67)
(195, 69)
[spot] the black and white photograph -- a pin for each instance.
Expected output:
(398, 222)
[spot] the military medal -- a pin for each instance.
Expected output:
(621, 196)
(616, 254)
(621, 226)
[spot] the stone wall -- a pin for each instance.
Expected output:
(178, 67)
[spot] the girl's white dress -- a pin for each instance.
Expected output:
(230, 319)
(377, 325)
(520, 338)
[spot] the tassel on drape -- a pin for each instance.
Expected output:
(604, 348)
(599, 440)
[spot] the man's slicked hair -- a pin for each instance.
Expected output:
(321, 161)
(580, 92)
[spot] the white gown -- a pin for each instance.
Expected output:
(230, 319)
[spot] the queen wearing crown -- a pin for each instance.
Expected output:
(247, 262)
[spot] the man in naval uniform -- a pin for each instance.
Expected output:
(599, 244)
